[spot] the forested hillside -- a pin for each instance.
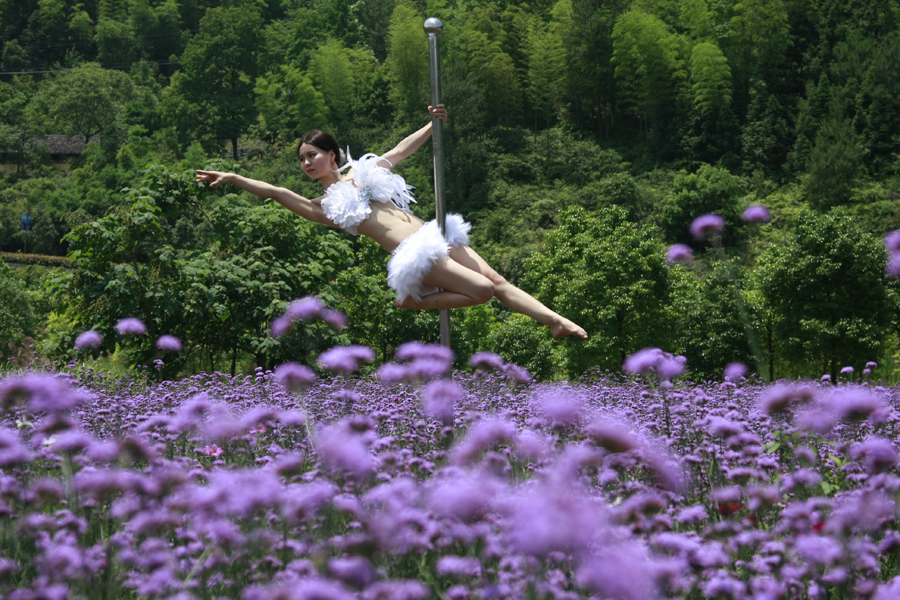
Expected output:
(585, 137)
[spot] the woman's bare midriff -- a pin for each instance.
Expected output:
(388, 225)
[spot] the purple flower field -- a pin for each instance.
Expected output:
(485, 485)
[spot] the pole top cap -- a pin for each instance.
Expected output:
(433, 26)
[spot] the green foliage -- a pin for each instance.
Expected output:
(87, 100)
(407, 63)
(836, 164)
(608, 275)
(827, 290)
(649, 64)
(212, 97)
(288, 104)
(16, 317)
(709, 190)
(234, 270)
(524, 342)
(711, 330)
(711, 78)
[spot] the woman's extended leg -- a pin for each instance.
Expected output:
(449, 276)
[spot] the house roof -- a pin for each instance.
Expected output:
(64, 144)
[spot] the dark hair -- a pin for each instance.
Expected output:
(323, 141)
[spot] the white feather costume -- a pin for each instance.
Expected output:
(347, 205)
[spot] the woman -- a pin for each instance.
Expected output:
(371, 201)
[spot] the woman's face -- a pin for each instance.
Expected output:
(314, 161)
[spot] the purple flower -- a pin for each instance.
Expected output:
(612, 436)
(42, 392)
(88, 339)
(892, 241)
(623, 572)
(735, 372)
(562, 409)
(294, 376)
(855, 404)
(878, 452)
(406, 589)
(486, 360)
(439, 397)
(344, 453)
(871, 365)
(826, 377)
(679, 254)
(335, 318)
(517, 373)
(892, 268)
(131, 326)
(354, 571)
(707, 226)
(462, 496)
(169, 342)
(653, 360)
(463, 566)
(757, 213)
(12, 451)
(551, 519)
(413, 350)
(281, 325)
(780, 398)
(345, 358)
(305, 308)
(847, 371)
(483, 436)
(818, 549)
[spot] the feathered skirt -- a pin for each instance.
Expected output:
(415, 256)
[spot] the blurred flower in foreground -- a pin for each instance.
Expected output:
(679, 254)
(707, 226)
(345, 358)
(653, 360)
(892, 244)
(486, 360)
(169, 342)
(735, 372)
(757, 213)
(294, 376)
(305, 309)
(88, 339)
(131, 326)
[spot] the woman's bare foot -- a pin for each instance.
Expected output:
(566, 327)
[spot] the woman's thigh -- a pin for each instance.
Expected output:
(453, 276)
(465, 256)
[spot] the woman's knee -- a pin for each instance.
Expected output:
(483, 291)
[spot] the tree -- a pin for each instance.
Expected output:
(610, 276)
(709, 190)
(407, 60)
(332, 73)
(711, 78)
(288, 104)
(87, 101)
(212, 97)
(234, 270)
(836, 163)
(827, 289)
(547, 62)
(711, 328)
(765, 138)
(649, 65)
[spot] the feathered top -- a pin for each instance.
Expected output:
(347, 203)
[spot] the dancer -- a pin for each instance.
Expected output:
(426, 269)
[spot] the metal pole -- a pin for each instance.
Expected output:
(434, 27)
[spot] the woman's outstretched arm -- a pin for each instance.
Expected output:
(310, 210)
(411, 143)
